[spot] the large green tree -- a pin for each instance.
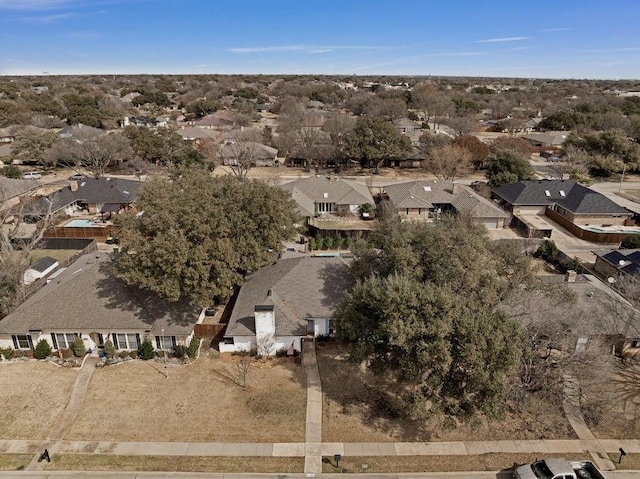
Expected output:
(507, 167)
(199, 235)
(423, 314)
(375, 140)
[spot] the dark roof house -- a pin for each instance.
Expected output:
(567, 194)
(300, 294)
(97, 194)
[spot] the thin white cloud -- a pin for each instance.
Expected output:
(503, 39)
(48, 19)
(32, 4)
(549, 30)
(302, 48)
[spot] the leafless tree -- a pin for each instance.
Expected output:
(92, 152)
(265, 344)
(240, 156)
(241, 370)
(17, 240)
(449, 162)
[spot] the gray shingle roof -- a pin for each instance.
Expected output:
(301, 288)
(88, 297)
(43, 264)
(257, 151)
(320, 189)
(90, 190)
(10, 188)
(469, 202)
(420, 194)
(193, 132)
(567, 193)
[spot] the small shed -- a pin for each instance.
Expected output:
(40, 269)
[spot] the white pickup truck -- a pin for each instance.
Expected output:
(557, 468)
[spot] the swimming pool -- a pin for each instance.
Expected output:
(80, 224)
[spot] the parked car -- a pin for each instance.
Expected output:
(557, 468)
(77, 177)
(32, 175)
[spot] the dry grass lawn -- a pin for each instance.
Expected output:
(629, 462)
(392, 464)
(33, 394)
(59, 254)
(14, 462)
(90, 462)
(198, 402)
(619, 419)
(354, 408)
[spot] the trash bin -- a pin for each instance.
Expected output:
(115, 249)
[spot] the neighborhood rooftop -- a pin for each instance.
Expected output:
(566, 193)
(88, 296)
(298, 288)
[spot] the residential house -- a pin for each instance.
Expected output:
(40, 269)
(87, 300)
(11, 191)
(257, 153)
(79, 129)
(429, 200)
(548, 140)
(617, 262)
(599, 313)
(578, 204)
(192, 133)
(405, 125)
(331, 205)
(90, 195)
(214, 122)
(281, 304)
(320, 195)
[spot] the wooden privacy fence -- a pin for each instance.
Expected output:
(592, 236)
(209, 330)
(99, 233)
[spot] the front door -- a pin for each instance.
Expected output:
(311, 324)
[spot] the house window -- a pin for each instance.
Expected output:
(562, 193)
(547, 193)
(332, 328)
(635, 343)
(165, 342)
(326, 207)
(22, 341)
(63, 340)
(126, 341)
(228, 341)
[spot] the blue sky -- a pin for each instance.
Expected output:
(542, 38)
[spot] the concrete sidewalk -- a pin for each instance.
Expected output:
(218, 475)
(313, 427)
(300, 449)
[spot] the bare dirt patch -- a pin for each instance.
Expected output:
(33, 395)
(355, 408)
(81, 462)
(200, 402)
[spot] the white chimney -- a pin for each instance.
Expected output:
(265, 320)
(454, 188)
(571, 276)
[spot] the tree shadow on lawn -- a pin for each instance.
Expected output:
(366, 397)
